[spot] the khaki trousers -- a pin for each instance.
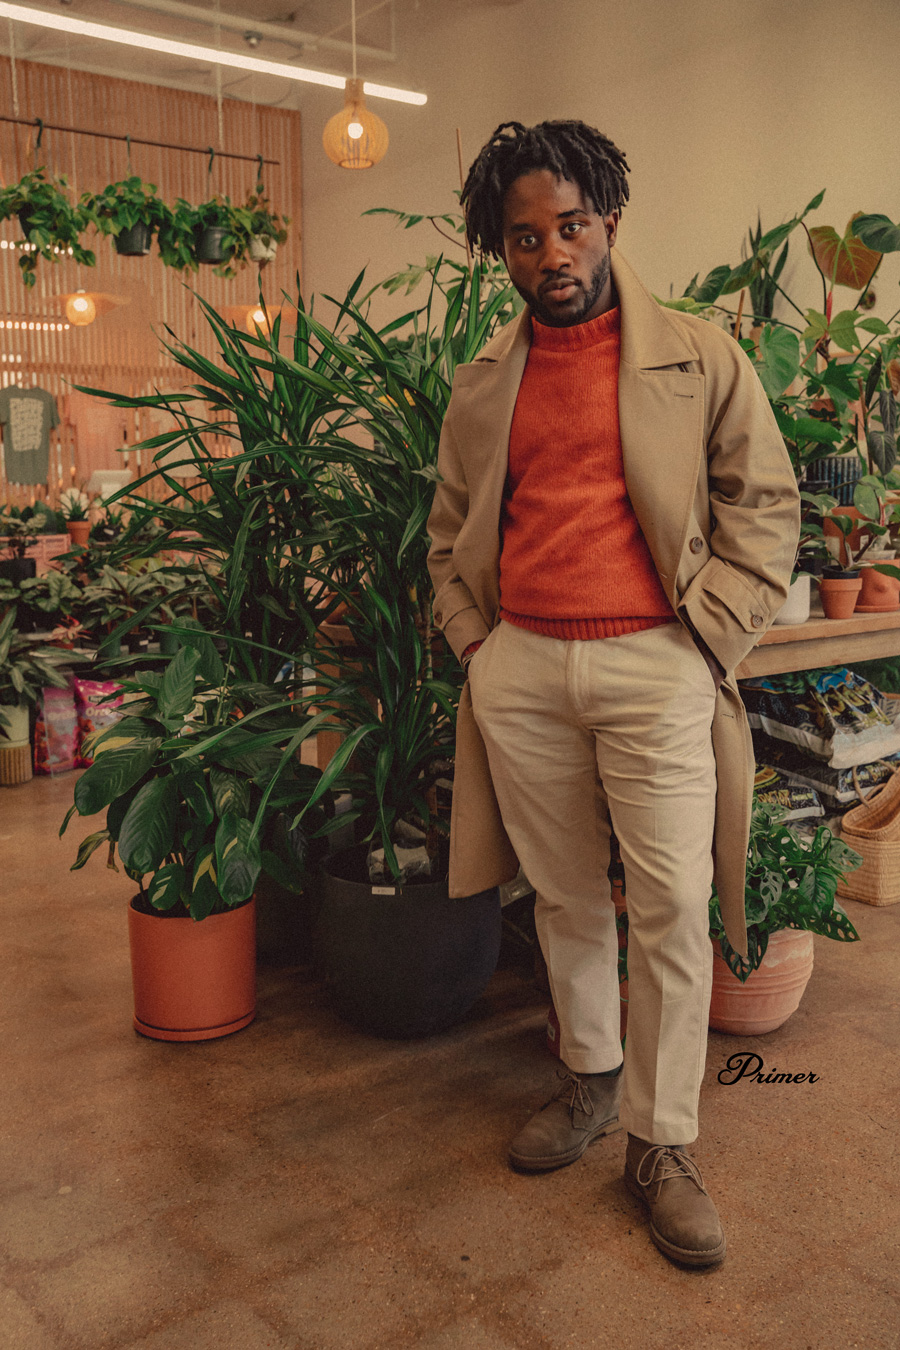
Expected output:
(581, 734)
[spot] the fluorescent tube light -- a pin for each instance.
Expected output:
(145, 41)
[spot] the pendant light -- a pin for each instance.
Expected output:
(355, 138)
(80, 309)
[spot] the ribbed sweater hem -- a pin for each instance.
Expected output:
(584, 630)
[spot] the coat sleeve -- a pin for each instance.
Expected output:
(455, 610)
(755, 509)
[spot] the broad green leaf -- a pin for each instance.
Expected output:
(204, 895)
(812, 429)
(817, 326)
(844, 261)
(230, 794)
(176, 695)
(710, 288)
(112, 774)
(146, 836)
(193, 788)
(878, 232)
(87, 847)
(779, 359)
(69, 814)
(843, 330)
(167, 885)
(873, 325)
(238, 859)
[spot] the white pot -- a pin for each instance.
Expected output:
(260, 251)
(15, 729)
(796, 607)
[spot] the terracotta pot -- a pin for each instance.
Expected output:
(839, 595)
(78, 531)
(193, 981)
(796, 607)
(879, 593)
(770, 994)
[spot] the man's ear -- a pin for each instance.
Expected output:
(611, 223)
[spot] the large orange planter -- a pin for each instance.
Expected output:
(770, 994)
(193, 981)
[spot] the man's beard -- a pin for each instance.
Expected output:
(599, 278)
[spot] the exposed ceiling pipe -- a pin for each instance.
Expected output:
(280, 32)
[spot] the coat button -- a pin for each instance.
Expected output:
(438, 617)
(756, 620)
(696, 545)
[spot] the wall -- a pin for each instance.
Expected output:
(122, 350)
(723, 108)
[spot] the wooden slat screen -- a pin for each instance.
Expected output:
(120, 350)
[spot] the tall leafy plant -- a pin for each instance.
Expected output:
(320, 510)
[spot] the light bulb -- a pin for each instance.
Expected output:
(355, 130)
(80, 309)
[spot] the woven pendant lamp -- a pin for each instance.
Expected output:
(355, 138)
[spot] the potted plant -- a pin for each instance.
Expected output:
(261, 228)
(51, 223)
(791, 887)
(131, 211)
(871, 524)
(19, 539)
(217, 235)
(175, 237)
(302, 518)
(182, 779)
(27, 665)
(75, 506)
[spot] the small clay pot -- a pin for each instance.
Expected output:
(78, 531)
(879, 594)
(839, 594)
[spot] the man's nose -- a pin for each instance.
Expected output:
(556, 257)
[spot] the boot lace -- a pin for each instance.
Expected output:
(572, 1087)
(664, 1163)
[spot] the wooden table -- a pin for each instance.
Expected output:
(823, 642)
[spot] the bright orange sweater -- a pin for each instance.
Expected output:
(574, 562)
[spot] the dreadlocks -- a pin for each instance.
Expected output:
(570, 149)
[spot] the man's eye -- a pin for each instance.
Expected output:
(527, 241)
(572, 227)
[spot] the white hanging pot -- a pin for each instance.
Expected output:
(260, 251)
(796, 607)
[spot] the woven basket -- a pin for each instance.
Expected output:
(873, 830)
(15, 765)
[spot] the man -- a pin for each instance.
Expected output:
(614, 530)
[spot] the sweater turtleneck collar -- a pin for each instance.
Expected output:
(579, 336)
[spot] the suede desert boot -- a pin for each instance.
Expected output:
(584, 1108)
(684, 1223)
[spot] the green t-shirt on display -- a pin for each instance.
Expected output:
(27, 416)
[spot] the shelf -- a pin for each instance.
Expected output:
(823, 642)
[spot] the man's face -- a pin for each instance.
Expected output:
(556, 249)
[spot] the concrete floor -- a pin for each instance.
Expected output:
(299, 1185)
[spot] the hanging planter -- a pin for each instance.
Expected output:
(260, 250)
(135, 242)
(211, 246)
(51, 223)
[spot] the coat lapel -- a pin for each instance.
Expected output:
(660, 422)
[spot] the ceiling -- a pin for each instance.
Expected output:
(312, 33)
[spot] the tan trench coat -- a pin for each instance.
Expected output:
(714, 492)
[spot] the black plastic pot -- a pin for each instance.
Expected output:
(17, 569)
(25, 221)
(402, 961)
(209, 245)
(134, 243)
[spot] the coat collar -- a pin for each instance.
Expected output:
(650, 336)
